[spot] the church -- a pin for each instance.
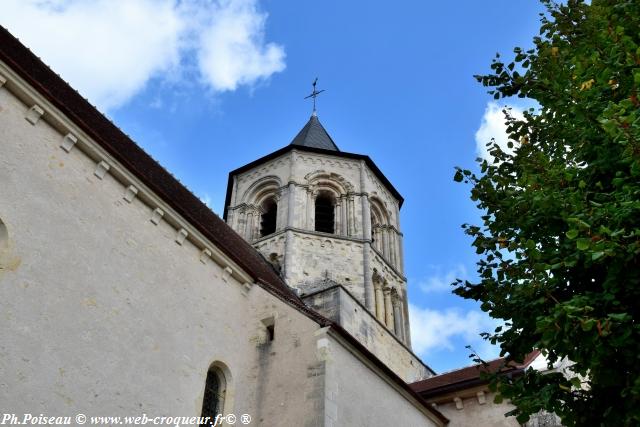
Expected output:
(123, 295)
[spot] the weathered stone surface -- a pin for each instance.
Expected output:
(338, 305)
(366, 241)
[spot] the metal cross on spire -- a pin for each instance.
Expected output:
(314, 95)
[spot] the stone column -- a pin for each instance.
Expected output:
(405, 317)
(310, 210)
(257, 218)
(388, 309)
(392, 246)
(337, 216)
(343, 213)
(366, 257)
(353, 228)
(288, 243)
(397, 316)
(248, 226)
(366, 247)
(379, 301)
(385, 242)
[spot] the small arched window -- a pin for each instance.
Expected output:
(324, 213)
(268, 219)
(214, 393)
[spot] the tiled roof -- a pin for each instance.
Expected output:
(313, 134)
(468, 376)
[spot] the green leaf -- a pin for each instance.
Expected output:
(458, 177)
(572, 234)
(583, 244)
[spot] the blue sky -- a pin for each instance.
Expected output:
(207, 86)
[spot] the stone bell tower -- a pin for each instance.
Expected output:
(328, 220)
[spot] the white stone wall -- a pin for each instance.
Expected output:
(349, 381)
(474, 407)
(338, 305)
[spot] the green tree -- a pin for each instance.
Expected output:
(559, 245)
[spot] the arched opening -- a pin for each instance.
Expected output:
(378, 222)
(324, 213)
(268, 219)
(214, 394)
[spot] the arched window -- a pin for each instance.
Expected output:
(324, 213)
(268, 219)
(214, 393)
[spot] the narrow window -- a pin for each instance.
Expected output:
(268, 220)
(324, 213)
(214, 389)
(271, 332)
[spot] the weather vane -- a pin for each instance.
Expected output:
(314, 95)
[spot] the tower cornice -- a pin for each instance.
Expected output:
(300, 148)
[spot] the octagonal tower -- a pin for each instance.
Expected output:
(326, 219)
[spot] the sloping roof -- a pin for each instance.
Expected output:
(313, 134)
(66, 99)
(469, 376)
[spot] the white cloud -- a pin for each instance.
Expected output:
(233, 51)
(109, 50)
(441, 282)
(434, 330)
(494, 126)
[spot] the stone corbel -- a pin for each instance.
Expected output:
(68, 142)
(246, 288)
(3, 80)
(130, 193)
(458, 402)
(101, 169)
(156, 216)
(205, 254)
(481, 397)
(226, 273)
(181, 236)
(34, 113)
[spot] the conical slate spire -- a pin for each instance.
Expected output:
(313, 134)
